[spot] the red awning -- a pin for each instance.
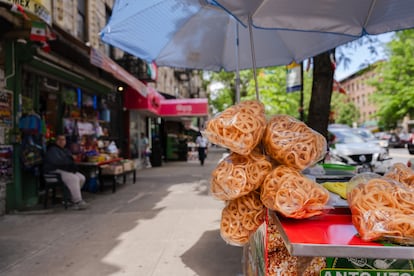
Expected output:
(99, 59)
(183, 107)
(135, 100)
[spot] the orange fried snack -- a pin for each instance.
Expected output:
(239, 128)
(401, 173)
(291, 142)
(382, 209)
(293, 195)
(238, 175)
(241, 217)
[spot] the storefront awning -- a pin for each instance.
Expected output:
(135, 101)
(183, 107)
(100, 60)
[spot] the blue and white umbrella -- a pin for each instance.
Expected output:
(354, 18)
(200, 35)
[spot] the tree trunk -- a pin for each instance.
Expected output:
(320, 103)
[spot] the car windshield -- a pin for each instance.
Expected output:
(345, 136)
(366, 134)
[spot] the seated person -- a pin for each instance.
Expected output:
(58, 159)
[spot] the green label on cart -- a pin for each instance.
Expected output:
(355, 272)
(367, 267)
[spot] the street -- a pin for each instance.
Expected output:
(400, 155)
(165, 224)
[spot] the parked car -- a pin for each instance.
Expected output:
(346, 147)
(410, 144)
(395, 141)
(368, 136)
(382, 135)
(404, 138)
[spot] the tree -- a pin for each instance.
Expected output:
(272, 90)
(395, 81)
(320, 103)
(344, 112)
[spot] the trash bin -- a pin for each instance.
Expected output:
(156, 154)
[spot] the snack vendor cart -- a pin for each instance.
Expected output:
(330, 237)
(280, 208)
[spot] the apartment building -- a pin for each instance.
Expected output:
(359, 92)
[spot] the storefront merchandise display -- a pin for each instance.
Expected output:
(309, 228)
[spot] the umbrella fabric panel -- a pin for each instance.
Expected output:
(350, 17)
(133, 22)
(187, 34)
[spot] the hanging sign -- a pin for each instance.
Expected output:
(40, 8)
(293, 77)
(6, 108)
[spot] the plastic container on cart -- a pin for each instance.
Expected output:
(336, 172)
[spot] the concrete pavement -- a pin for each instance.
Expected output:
(165, 224)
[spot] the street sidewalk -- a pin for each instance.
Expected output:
(165, 224)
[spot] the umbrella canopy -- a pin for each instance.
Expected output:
(351, 17)
(198, 34)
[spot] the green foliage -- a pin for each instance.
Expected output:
(272, 90)
(395, 81)
(345, 112)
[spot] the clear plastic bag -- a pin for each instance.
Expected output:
(291, 142)
(241, 217)
(292, 194)
(382, 209)
(237, 175)
(238, 128)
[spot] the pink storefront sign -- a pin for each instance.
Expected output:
(183, 107)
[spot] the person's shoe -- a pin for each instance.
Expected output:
(81, 205)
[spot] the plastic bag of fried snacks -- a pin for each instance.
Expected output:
(382, 209)
(241, 217)
(401, 173)
(238, 175)
(238, 128)
(292, 194)
(291, 142)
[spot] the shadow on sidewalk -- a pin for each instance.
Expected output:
(211, 249)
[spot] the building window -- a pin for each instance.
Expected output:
(81, 20)
(109, 49)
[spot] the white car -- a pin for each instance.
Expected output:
(345, 147)
(368, 136)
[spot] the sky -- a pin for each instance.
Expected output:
(360, 55)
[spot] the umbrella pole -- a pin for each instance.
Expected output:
(237, 65)
(253, 57)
